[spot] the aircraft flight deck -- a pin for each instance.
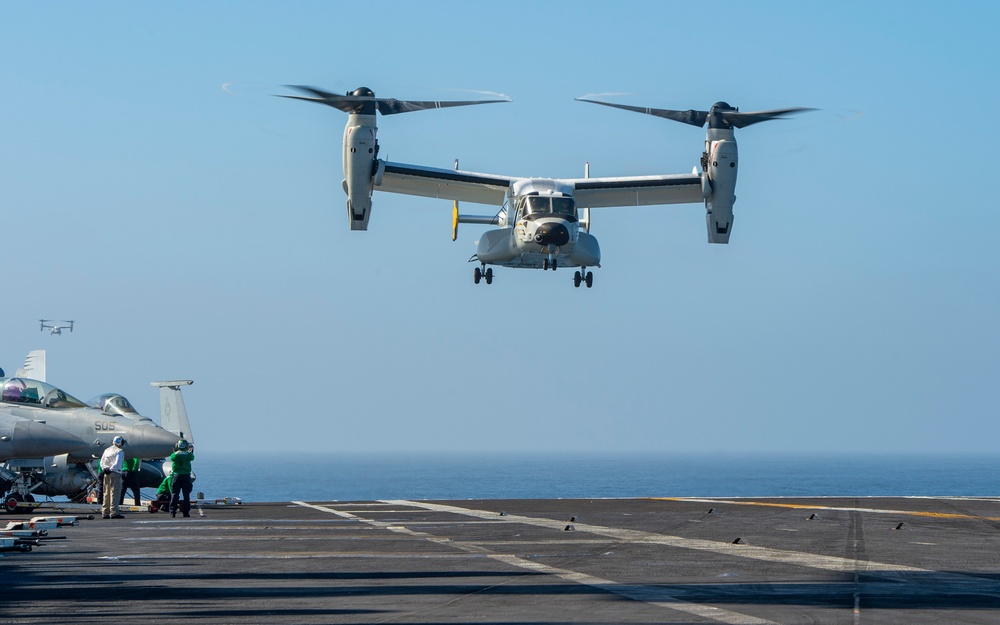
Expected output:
(760, 561)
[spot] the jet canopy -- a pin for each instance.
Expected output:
(534, 206)
(112, 404)
(33, 392)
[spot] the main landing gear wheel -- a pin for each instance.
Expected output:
(579, 278)
(479, 274)
(547, 264)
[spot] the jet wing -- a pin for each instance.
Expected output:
(637, 190)
(449, 184)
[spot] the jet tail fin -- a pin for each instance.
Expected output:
(34, 366)
(173, 414)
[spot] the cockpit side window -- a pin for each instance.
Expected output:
(121, 404)
(27, 391)
(112, 404)
(14, 391)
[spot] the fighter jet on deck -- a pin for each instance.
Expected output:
(70, 472)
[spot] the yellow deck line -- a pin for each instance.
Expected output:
(799, 506)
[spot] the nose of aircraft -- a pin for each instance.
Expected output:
(553, 233)
(147, 440)
(30, 439)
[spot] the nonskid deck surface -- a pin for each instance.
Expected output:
(830, 560)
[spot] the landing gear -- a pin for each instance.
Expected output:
(587, 277)
(550, 264)
(479, 274)
(11, 501)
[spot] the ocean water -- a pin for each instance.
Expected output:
(371, 476)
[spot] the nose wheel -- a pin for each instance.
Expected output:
(586, 277)
(550, 261)
(480, 274)
(12, 500)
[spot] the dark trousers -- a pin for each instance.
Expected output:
(130, 481)
(180, 483)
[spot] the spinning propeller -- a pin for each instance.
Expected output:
(721, 115)
(362, 101)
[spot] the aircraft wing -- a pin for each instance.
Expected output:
(449, 184)
(637, 190)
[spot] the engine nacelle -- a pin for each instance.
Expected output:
(360, 154)
(723, 164)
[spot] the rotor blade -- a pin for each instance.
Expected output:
(367, 104)
(391, 106)
(741, 120)
(346, 107)
(346, 103)
(316, 92)
(695, 118)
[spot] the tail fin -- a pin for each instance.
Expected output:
(173, 415)
(34, 366)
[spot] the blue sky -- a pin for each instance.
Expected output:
(195, 232)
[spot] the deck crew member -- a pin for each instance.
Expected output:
(111, 466)
(163, 495)
(130, 480)
(181, 478)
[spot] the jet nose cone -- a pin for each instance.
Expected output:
(552, 234)
(31, 439)
(147, 440)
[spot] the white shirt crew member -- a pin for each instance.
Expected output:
(113, 459)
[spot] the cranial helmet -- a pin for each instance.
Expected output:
(119, 441)
(182, 445)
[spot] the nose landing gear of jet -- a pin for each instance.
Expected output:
(12, 500)
(586, 276)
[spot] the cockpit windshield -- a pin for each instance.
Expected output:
(112, 403)
(564, 205)
(544, 204)
(26, 391)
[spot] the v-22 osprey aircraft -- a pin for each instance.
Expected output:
(56, 327)
(541, 222)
